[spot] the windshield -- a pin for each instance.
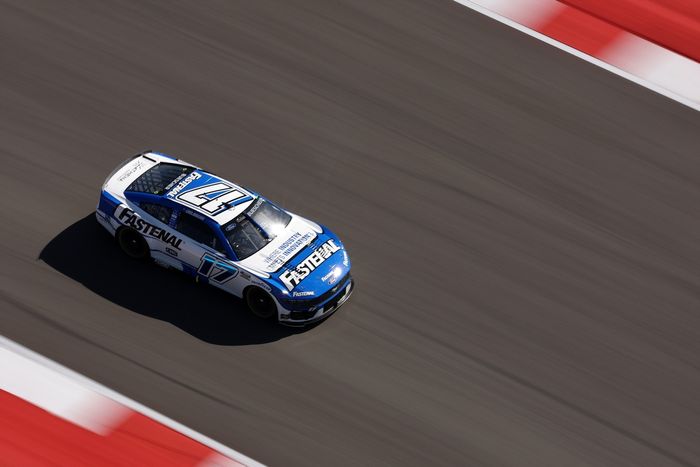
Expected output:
(255, 228)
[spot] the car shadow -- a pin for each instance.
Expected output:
(86, 253)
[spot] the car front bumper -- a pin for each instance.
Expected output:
(328, 308)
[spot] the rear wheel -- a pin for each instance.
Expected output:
(132, 243)
(260, 303)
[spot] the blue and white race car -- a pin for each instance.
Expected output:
(284, 267)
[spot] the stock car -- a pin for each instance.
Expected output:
(285, 267)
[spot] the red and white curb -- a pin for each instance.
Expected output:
(601, 43)
(51, 415)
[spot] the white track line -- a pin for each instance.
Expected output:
(28, 374)
(595, 61)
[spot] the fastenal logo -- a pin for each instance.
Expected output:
(305, 293)
(292, 277)
(128, 217)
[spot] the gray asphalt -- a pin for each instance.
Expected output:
(524, 230)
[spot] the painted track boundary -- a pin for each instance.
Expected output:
(668, 73)
(101, 390)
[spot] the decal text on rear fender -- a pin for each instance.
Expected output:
(128, 217)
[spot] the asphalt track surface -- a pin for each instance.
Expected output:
(524, 227)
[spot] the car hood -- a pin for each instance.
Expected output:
(305, 259)
(298, 234)
(315, 269)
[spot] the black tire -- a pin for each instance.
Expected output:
(261, 303)
(132, 243)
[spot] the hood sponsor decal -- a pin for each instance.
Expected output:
(128, 217)
(292, 277)
(280, 255)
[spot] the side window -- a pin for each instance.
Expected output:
(159, 212)
(198, 231)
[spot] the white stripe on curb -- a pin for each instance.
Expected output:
(58, 394)
(674, 76)
(530, 13)
(27, 375)
(656, 64)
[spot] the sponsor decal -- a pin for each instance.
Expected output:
(131, 170)
(128, 217)
(177, 180)
(292, 277)
(329, 276)
(261, 284)
(170, 251)
(277, 258)
(194, 214)
(182, 184)
(254, 208)
(255, 281)
(306, 293)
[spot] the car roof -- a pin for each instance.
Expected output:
(199, 191)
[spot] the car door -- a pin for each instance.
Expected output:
(162, 239)
(204, 252)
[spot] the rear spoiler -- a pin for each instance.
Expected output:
(147, 151)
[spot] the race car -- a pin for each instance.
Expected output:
(285, 267)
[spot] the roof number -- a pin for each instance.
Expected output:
(201, 197)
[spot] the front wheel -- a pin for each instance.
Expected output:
(260, 303)
(132, 243)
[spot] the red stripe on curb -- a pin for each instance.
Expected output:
(51, 415)
(580, 30)
(31, 436)
(673, 24)
(654, 43)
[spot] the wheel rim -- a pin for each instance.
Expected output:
(132, 244)
(260, 303)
